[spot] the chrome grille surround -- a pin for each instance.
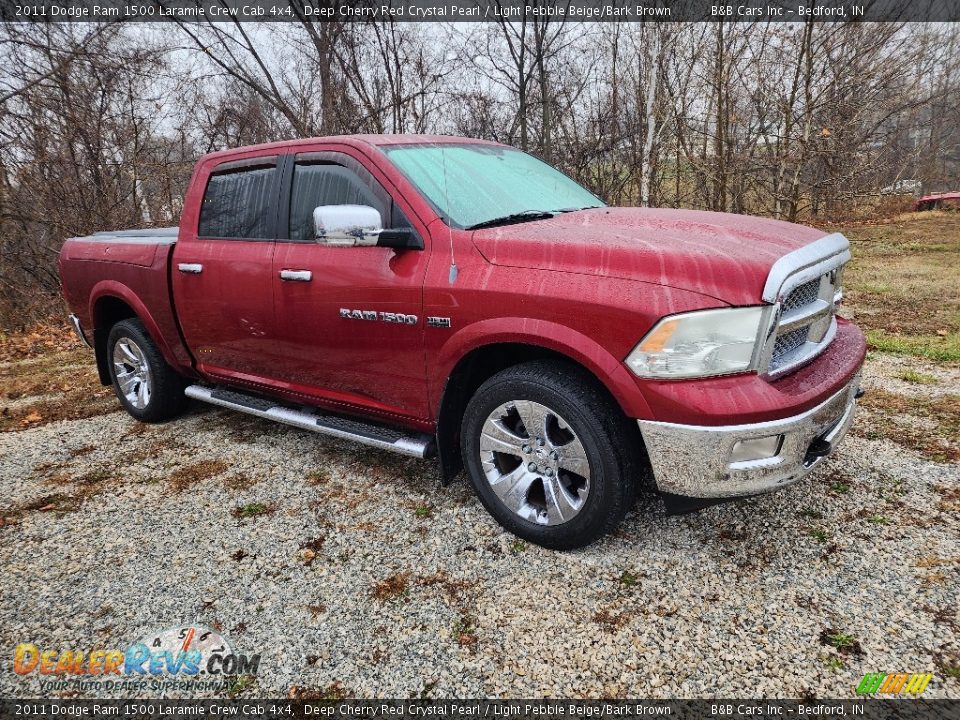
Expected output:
(804, 287)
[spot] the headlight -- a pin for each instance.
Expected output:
(701, 343)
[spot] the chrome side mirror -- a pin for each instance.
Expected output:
(347, 225)
(359, 226)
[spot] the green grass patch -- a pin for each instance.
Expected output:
(240, 684)
(820, 535)
(942, 348)
(251, 510)
(918, 378)
(842, 641)
(835, 663)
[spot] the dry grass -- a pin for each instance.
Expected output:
(40, 340)
(609, 621)
(188, 475)
(47, 375)
(903, 284)
(239, 481)
(333, 691)
(393, 587)
(929, 426)
(71, 490)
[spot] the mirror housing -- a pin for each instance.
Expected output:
(400, 239)
(359, 226)
(346, 225)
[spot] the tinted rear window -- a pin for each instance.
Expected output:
(239, 205)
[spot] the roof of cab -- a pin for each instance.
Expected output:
(355, 140)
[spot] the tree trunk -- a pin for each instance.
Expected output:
(653, 76)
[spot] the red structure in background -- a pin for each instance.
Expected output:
(936, 201)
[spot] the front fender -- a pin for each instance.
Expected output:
(561, 339)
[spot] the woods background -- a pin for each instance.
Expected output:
(101, 124)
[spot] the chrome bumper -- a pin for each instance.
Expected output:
(696, 461)
(78, 329)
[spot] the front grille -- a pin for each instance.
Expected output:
(793, 346)
(785, 345)
(802, 296)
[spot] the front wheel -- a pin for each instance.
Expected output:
(146, 386)
(549, 454)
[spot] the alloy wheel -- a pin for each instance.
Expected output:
(534, 462)
(132, 372)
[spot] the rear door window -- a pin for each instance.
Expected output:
(240, 203)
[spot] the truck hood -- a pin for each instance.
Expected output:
(717, 254)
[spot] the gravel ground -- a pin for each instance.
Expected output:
(355, 573)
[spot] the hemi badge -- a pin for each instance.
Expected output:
(438, 322)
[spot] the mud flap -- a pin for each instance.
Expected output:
(683, 505)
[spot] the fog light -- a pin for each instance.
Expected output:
(756, 449)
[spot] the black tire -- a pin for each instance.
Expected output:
(163, 398)
(605, 438)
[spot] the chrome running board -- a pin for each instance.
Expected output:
(419, 445)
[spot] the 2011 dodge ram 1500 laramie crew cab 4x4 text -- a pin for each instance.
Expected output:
(455, 297)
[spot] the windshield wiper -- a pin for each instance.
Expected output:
(578, 209)
(517, 217)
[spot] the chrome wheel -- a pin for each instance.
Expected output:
(132, 372)
(534, 462)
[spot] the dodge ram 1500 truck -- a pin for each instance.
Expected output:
(459, 298)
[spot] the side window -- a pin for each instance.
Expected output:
(239, 204)
(326, 183)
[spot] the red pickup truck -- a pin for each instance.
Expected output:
(459, 298)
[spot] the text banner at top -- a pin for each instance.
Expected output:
(479, 10)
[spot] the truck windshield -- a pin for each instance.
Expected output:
(473, 184)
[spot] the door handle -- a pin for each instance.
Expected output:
(194, 268)
(296, 275)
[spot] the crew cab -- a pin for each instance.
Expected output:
(458, 298)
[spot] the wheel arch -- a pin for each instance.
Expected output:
(481, 359)
(111, 302)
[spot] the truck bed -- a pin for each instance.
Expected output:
(102, 272)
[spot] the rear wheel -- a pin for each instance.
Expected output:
(146, 386)
(549, 454)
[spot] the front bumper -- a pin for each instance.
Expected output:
(695, 461)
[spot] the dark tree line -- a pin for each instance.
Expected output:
(100, 124)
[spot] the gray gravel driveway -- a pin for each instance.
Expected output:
(354, 573)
